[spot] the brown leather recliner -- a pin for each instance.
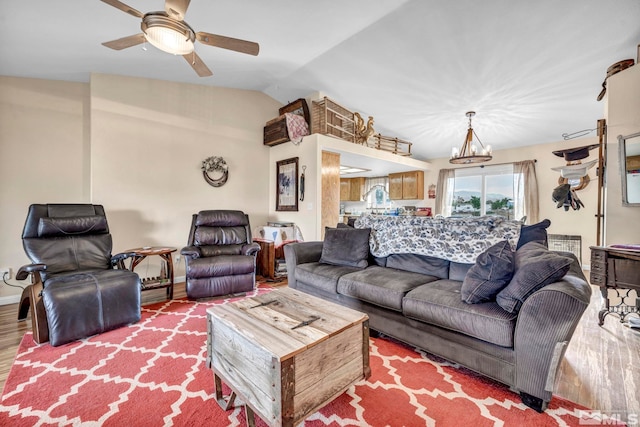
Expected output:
(75, 292)
(221, 256)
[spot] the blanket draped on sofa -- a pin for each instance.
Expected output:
(456, 239)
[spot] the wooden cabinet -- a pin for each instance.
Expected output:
(345, 189)
(616, 270)
(351, 189)
(395, 186)
(406, 185)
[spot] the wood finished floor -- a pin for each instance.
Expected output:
(601, 368)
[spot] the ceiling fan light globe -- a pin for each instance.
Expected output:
(169, 40)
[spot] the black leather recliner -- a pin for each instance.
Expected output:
(221, 256)
(75, 292)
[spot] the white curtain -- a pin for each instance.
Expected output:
(369, 185)
(444, 192)
(525, 191)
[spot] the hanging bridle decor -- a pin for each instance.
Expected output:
(215, 164)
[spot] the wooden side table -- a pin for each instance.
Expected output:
(616, 269)
(267, 258)
(163, 252)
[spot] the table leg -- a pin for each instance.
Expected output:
(225, 403)
(250, 416)
(169, 260)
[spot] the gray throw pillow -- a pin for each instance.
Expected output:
(535, 267)
(489, 275)
(534, 233)
(346, 246)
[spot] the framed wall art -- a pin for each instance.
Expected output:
(287, 185)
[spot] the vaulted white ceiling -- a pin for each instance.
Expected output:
(531, 70)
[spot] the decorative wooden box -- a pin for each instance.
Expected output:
(275, 131)
(332, 119)
(286, 353)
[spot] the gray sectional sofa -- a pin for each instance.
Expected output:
(513, 326)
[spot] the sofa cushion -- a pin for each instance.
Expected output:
(423, 264)
(534, 233)
(535, 267)
(346, 246)
(439, 303)
(322, 276)
(489, 275)
(382, 286)
(458, 270)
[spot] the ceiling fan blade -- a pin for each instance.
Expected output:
(230, 43)
(176, 8)
(125, 42)
(196, 63)
(125, 8)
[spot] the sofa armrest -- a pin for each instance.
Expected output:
(250, 249)
(546, 322)
(300, 253)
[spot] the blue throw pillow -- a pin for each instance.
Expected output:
(535, 267)
(492, 271)
(346, 246)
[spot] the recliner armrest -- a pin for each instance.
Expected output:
(250, 249)
(191, 252)
(117, 259)
(25, 270)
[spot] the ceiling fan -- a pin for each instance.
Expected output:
(168, 31)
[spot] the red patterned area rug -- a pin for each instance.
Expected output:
(154, 373)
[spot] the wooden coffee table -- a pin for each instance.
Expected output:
(285, 354)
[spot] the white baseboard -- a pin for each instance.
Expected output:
(11, 299)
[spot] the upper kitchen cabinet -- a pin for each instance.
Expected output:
(351, 189)
(406, 185)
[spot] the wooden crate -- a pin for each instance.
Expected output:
(275, 130)
(332, 119)
(284, 372)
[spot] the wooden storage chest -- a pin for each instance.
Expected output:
(286, 353)
(275, 131)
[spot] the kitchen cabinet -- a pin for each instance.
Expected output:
(406, 185)
(351, 189)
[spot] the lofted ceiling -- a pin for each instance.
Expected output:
(531, 70)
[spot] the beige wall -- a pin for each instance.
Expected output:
(44, 152)
(622, 223)
(307, 217)
(579, 222)
(135, 146)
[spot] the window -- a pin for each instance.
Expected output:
(376, 191)
(485, 190)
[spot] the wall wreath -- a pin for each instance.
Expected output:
(215, 165)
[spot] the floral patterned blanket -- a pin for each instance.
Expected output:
(455, 239)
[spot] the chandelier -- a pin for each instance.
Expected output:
(469, 151)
